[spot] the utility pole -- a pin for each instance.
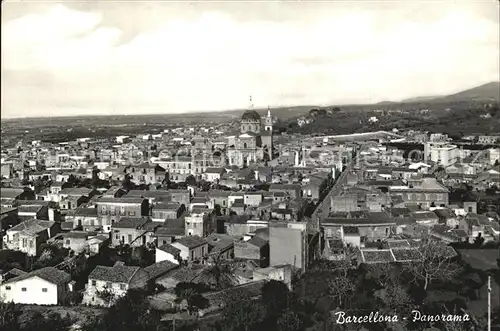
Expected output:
(489, 303)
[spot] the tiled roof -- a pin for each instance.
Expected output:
(258, 241)
(82, 211)
(169, 249)
(157, 269)
(116, 274)
(240, 292)
(219, 242)
(131, 223)
(406, 254)
(131, 200)
(6, 193)
(167, 206)
(49, 274)
(192, 241)
(32, 226)
(377, 256)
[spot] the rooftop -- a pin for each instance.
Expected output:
(118, 273)
(192, 241)
(49, 274)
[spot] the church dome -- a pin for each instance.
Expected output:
(250, 115)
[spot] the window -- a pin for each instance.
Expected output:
(31, 244)
(68, 242)
(117, 237)
(131, 213)
(470, 209)
(122, 287)
(23, 289)
(25, 242)
(129, 238)
(44, 289)
(94, 283)
(7, 288)
(109, 285)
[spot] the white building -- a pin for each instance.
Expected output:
(494, 155)
(442, 153)
(47, 286)
(113, 282)
(167, 252)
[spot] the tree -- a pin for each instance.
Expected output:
(394, 297)
(130, 312)
(479, 240)
(106, 296)
(384, 274)
(436, 264)
(289, 321)
(190, 180)
(9, 313)
(244, 316)
(127, 183)
(191, 293)
(220, 272)
(340, 288)
(276, 296)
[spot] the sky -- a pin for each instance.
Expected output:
(144, 57)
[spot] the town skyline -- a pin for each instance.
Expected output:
(175, 57)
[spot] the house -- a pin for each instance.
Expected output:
(221, 245)
(213, 174)
(86, 219)
(428, 218)
(46, 286)
(110, 210)
(8, 218)
(449, 235)
(200, 222)
(71, 198)
(292, 243)
(146, 173)
(476, 224)
(167, 211)
(29, 235)
(170, 231)
(447, 216)
(219, 200)
(488, 140)
(426, 192)
(81, 241)
(193, 248)
(293, 190)
(255, 249)
(10, 196)
(112, 282)
(167, 252)
(281, 273)
(134, 232)
(371, 226)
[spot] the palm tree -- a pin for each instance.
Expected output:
(220, 272)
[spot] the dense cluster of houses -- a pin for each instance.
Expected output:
(387, 198)
(194, 200)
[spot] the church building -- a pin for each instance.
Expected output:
(255, 141)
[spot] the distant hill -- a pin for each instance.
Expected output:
(420, 99)
(485, 92)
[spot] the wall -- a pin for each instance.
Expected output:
(164, 256)
(244, 250)
(287, 246)
(33, 294)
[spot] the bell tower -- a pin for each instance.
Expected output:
(268, 121)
